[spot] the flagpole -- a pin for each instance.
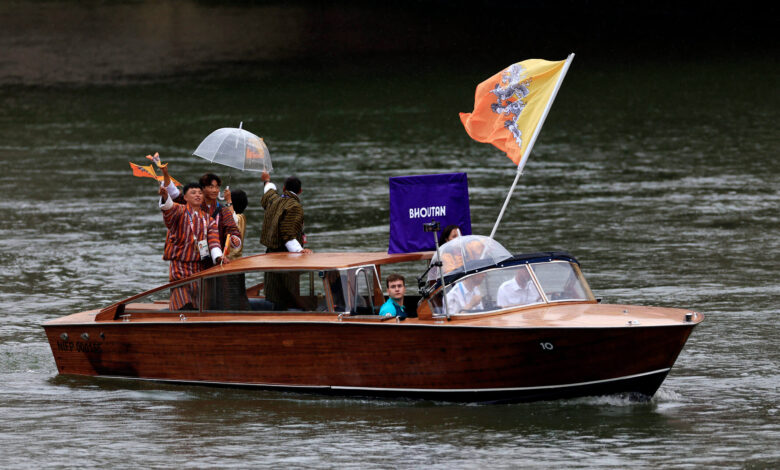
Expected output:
(531, 143)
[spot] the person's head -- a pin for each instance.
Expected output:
(293, 184)
(474, 280)
(396, 287)
(193, 194)
(240, 201)
(210, 184)
(522, 276)
(450, 232)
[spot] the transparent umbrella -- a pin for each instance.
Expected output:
(236, 148)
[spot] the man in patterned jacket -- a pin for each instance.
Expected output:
(283, 219)
(192, 237)
(282, 232)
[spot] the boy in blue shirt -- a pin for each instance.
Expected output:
(396, 288)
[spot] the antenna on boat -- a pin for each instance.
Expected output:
(433, 226)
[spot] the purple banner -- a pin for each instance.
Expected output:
(416, 200)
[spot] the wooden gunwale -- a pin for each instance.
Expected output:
(404, 324)
(587, 316)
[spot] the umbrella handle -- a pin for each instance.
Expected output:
(225, 251)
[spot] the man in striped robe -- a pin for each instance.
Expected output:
(210, 185)
(188, 226)
(282, 232)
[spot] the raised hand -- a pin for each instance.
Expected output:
(156, 160)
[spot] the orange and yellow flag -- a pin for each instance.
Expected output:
(143, 171)
(510, 105)
(147, 171)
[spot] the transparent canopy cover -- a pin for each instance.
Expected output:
(470, 252)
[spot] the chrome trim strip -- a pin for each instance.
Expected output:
(543, 387)
(417, 390)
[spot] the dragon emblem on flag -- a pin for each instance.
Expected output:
(510, 106)
(513, 84)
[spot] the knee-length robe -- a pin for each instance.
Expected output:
(186, 227)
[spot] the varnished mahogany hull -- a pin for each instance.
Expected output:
(457, 363)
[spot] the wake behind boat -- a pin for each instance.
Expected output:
(554, 339)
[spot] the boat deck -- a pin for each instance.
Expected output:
(572, 315)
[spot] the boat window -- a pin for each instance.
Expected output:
(355, 290)
(469, 295)
(295, 290)
(562, 280)
(229, 292)
(514, 287)
(181, 297)
(265, 291)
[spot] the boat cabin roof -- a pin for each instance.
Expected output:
(315, 261)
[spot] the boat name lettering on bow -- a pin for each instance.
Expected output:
(422, 212)
(88, 346)
(80, 346)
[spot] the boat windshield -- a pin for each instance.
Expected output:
(514, 286)
(470, 252)
(492, 290)
(561, 280)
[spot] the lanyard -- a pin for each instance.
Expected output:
(192, 226)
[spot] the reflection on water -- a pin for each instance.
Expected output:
(666, 199)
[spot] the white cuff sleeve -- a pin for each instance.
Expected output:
(293, 246)
(173, 191)
(216, 253)
(268, 187)
(168, 204)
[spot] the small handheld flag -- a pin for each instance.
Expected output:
(143, 171)
(147, 171)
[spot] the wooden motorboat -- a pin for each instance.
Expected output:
(308, 322)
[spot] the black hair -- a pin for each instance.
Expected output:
(240, 201)
(207, 178)
(447, 231)
(189, 186)
(293, 184)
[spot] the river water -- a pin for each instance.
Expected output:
(663, 180)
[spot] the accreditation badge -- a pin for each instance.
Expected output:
(203, 248)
